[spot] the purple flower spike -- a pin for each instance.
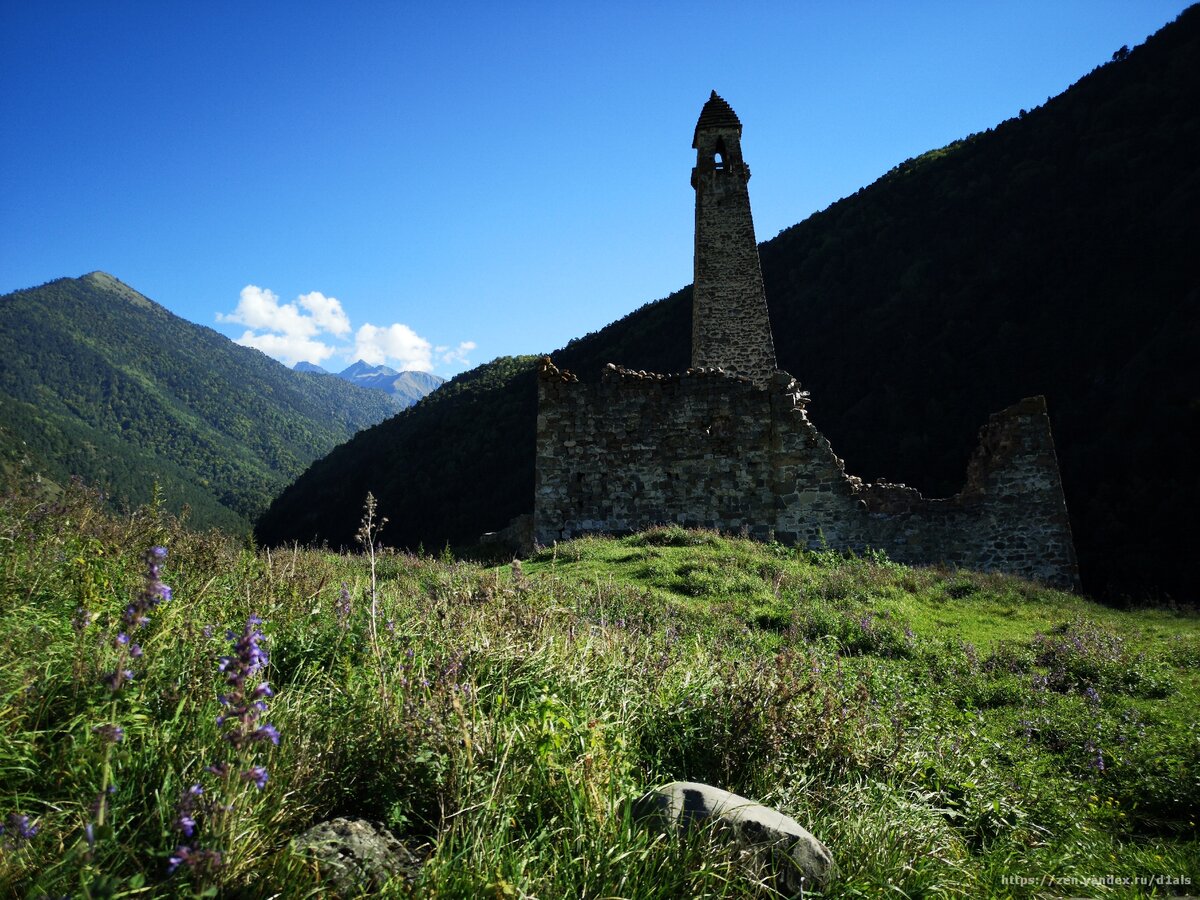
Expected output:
(203, 861)
(135, 616)
(114, 734)
(245, 705)
(258, 775)
(343, 606)
(16, 830)
(178, 858)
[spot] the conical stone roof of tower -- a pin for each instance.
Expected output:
(716, 114)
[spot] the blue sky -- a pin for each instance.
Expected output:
(435, 185)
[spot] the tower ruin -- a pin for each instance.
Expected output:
(730, 326)
(728, 444)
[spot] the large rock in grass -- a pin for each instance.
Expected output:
(354, 855)
(797, 859)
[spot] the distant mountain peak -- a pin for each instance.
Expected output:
(408, 387)
(359, 368)
(305, 366)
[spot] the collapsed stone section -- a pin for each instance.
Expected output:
(710, 449)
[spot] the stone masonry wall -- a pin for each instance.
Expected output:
(710, 449)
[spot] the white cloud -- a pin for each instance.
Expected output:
(289, 349)
(396, 345)
(260, 308)
(327, 312)
(291, 332)
(458, 355)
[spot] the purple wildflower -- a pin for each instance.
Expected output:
(153, 592)
(16, 830)
(1092, 697)
(186, 821)
(137, 616)
(82, 620)
(114, 734)
(202, 861)
(244, 704)
(1097, 761)
(267, 732)
(343, 607)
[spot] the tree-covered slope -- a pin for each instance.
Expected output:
(1054, 254)
(100, 382)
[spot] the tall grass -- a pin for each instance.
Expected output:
(945, 733)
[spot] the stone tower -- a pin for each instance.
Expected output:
(730, 327)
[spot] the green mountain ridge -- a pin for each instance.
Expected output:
(98, 381)
(1053, 254)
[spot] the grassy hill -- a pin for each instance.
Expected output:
(1053, 254)
(944, 733)
(98, 381)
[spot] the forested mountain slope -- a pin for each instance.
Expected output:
(1054, 254)
(98, 381)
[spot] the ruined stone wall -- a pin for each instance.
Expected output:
(1010, 515)
(632, 451)
(713, 450)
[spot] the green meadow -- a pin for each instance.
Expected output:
(944, 733)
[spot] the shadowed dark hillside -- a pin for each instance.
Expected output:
(98, 381)
(1053, 254)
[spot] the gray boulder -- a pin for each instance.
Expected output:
(796, 858)
(355, 856)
